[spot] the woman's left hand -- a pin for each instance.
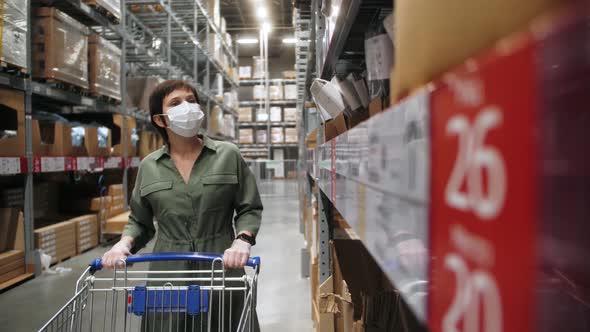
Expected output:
(237, 255)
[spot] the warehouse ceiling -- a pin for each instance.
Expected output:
(242, 21)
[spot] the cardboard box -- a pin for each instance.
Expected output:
(246, 136)
(116, 224)
(290, 91)
(433, 36)
(290, 114)
(14, 34)
(216, 120)
(57, 240)
(117, 136)
(12, 112)
(116, 190)
(87, 231)
(261, 136)
(258, 67)
(276, 92)
(289, 74)
(276, 114)
(147, 143)
(60, 48)
(9, 218)
(57, 137)
(245, 114)
(291, 135)
(104, 62)
(245, 72)
(335, 127)
(12, 264)
(277, 135)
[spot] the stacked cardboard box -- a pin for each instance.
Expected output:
(277, 135)
(12, 112)
(116, 224)
(12, 265)
(290, 91)
(290, 135)
(246, 136)
(261, 115)
(57, 240)
(117, 200)
(245, 114)
(261, 136)
(276, 114)
(229, 126)
(216, 120)
(258, 67)
(86, 230)
(290, 114)
(245, 72)
(104, 60)
(60, 48)
(276, 92)
(131, 129)
(259, 92)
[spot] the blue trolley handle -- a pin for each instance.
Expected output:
(96, 265)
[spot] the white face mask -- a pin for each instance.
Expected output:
(185, 119)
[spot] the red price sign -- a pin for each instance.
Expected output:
(483, 196)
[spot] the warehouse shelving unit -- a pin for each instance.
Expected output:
(170, 42)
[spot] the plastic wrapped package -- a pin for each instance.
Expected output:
(290, 114)
(60, 48)
(259, 92)
(214, 46)
(134, 137)
(290, 135)
(245, 72)
(379, 60)
(258, 67)
(219, 86)
(213, 10)
(246, 136)
(290, 91)
(111, 6)
(104, 74)
(277, 135)
(245, 114)
(275, 114)
(276, 92)
(13, 47)
(229, 126)
(261, 115)
(261, 136)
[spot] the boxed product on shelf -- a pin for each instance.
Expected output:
(13, 51)
(59, 48)
(246, 136)
(245, 114)
(290, 114)
(290, 91)
(258, 67)
(113, 7)
(147, 143)
(12, 265)
(12, 126)
(229, 126)
(245, 72)
(104, 62)
(131, 136)
(230, 99)
(57, 136)
(289, 74)
(98, 141)
(291, 135)
(276, 92)
(261, 136)
(218, 87)
(261, 115)
(276, 114)
(379, 62)
(215, 120)
(116, 224)
(335, 127)
(426, 49)
(214, 46)
(57, 240)
(259, 92)
(277, 135)
(139, 90)
(86, 230)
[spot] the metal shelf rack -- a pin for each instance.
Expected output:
(254, 103)
(174, 49)
(274, 81)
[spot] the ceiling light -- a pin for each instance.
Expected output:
(266, 27)
(289, 40)
(262, 12)
(247, 41)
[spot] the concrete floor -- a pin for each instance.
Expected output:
(283, 296)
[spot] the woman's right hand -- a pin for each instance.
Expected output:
(118, 252)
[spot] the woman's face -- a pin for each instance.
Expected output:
(173, 99)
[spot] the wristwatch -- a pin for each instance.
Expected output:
(247, 238)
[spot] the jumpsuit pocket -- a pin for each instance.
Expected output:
(153, 187)
(158, 194)
(218, 192)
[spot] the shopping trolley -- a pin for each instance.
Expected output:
(195, 300)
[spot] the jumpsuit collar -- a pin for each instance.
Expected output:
(207, 142)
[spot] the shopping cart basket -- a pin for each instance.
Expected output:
(195, 300)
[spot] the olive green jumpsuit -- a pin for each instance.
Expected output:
(195, 216)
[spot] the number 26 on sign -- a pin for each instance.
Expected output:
(477, 300)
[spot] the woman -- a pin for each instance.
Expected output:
(191, 186)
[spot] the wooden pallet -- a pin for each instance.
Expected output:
(106, 99)
(67, 86)
(105, 12)
(8, 67)
(15, 281)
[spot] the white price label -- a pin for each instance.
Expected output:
(10, 166)
(53, 164)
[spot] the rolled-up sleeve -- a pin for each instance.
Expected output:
(248, 205)
(141, 220)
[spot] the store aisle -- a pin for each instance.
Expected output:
(283, 296)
